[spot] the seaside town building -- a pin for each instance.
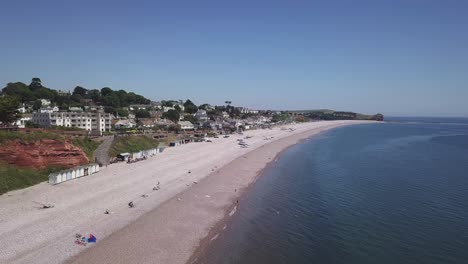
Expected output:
(225, 115)
(49, 109)
(201, 115)
(186, 125)
(45, 102)
(22, 109)
(139, 107)
(156, 105)
(90, 121)
(21, 122)
(63, 93)
(75, 109)
(245, 110)
(145, 123)
(124, 123)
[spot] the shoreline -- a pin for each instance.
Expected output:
(230, 209)
(220, 172)
(159, 246)
(221, 225)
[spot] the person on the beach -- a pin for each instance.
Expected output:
(130, 204)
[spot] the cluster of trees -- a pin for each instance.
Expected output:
(8, 109)
(113, 100)
(172, 115)
(279, 117)
(29, 93)
(108, 97)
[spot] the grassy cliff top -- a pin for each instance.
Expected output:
(6, 136)
(132, 144)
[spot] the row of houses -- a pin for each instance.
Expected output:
(214, 125)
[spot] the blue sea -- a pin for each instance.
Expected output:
(395, 192)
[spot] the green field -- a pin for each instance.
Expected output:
(87, 145)
(13, 178)
(132, 144)
(32, 136)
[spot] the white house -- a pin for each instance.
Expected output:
(22, 109)
(20, 122)
(245, 110)
(45, 102)
(167, 108)
(49, 109)
(139, 107)
(75, 109)
(225, 115)
(156, 105)
(186, 125)
(201, 115)
(63, 93)
(124, 123)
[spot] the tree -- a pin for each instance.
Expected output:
(190, 107)
(109, 110)
(172, 115)
(45, 93)
(188, 102)
(9, 109)
(20, 91)
(122, 112)
(95, 94)
(111, 100)
(30, 124)
(192, 119)
(175, 128)
(178, 109)
(299, 118)
(37, 105)
(122, 97)
(279, 117)
(36, 84)
(76, 98)
(81, 91)
(106, 91)
(204, 106)
(167, 103)
(142, 114)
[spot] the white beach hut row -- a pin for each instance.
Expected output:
(146, 153)
(73, 173)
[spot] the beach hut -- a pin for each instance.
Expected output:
(70, 174)
(123, 156)
(174, 144)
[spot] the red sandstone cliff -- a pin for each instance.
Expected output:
(42, 153)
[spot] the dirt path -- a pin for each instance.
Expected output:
(102, 152)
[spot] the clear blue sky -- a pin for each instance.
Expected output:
(396, 57)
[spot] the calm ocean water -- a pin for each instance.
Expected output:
(385, 193)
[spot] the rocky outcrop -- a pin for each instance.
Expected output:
(42, 153)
